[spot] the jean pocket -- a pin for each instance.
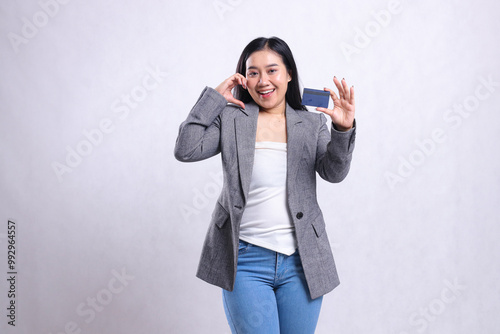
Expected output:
(243, 247)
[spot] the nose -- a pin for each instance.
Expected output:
(263, 79)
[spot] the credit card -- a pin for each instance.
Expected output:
(315, 97)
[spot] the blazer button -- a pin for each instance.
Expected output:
(299, 215)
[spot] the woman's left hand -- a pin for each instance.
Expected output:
(342, 113)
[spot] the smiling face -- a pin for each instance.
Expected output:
(267, 80)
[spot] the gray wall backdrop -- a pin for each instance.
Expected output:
(109, 226)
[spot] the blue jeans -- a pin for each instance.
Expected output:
(270, 294)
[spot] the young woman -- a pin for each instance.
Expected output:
(266, 245)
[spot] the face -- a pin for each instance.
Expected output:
(267, 79)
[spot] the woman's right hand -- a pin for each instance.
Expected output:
(227, 85)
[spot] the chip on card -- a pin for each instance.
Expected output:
(315, 97)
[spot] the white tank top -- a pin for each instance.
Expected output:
(266, 221)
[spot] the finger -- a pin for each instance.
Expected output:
(347, 95)
(339, 87)
(332, 94)
(229, 84)
(352, 96)
(235, 101)
(241, 80)
(239, 103)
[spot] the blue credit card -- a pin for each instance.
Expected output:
(315, 97)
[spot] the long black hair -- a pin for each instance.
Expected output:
(279, 46)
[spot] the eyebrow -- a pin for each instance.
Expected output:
(254, 67)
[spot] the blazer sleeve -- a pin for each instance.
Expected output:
(334, 151)
(199, 134)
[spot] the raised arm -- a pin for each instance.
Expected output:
(334, 150)
(199, 134)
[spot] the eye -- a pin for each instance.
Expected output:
(251, 74)
(273, 70)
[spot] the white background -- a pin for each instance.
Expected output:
(407, 223)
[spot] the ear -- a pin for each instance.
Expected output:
(289, 76)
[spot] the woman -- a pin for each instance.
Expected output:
(266, 244)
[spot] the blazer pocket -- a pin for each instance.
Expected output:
(220, 215)
(318, 225)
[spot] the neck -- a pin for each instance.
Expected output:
(278, 110)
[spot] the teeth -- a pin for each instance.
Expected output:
(267, 91)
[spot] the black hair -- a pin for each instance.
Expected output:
(279, 46)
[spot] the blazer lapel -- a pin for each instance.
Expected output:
(295, 142)
(245, 126)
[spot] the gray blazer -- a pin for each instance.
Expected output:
(214, 126)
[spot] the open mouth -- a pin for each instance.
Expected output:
(266, 93)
